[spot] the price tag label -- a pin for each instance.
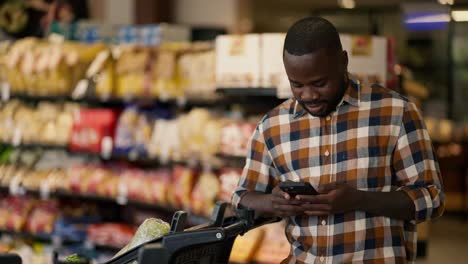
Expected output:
(80, 89)
(17, 135)
(133, 155)
(98, 63)
(164, 156)
(14, 186)
(5, 91)
(57, 241)
(88, 244)
(44, 190)
(107, 145)
(122, 197)
(164, 96)
(181, 101)
(192, 162)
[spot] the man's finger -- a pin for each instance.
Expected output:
(316, 213)
(326, 188)
(316, 199)
(281, 200)
(316, 207)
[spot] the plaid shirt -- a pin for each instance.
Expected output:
(375, 141)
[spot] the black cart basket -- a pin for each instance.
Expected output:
(209, 243)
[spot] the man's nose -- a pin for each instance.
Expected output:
(309, 94)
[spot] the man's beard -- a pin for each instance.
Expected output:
(330, 106)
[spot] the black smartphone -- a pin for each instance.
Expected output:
(295, 188)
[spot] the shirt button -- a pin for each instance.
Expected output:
(324, 222)
(322, 258)
(327, 153)
(328, 118)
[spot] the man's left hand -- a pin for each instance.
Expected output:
(333, 198)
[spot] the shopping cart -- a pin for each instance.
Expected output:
(209, 243)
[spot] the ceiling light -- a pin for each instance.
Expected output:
(433, 18)
(349, 4)
(460, 15)
(446, 2)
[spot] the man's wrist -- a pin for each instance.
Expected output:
(362, 200)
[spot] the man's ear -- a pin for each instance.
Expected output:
(344, 59)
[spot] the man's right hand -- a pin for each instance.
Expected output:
(284, 205)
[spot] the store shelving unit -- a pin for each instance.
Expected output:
(224, 98)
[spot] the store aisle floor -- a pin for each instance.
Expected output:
(448, 242)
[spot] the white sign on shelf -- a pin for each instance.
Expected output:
(107, 145)
(80, 89)
(5, 91)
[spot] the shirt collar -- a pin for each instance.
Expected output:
(351, 97)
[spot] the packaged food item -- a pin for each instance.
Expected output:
(135, 184)
(90, 127)
(159, 183)
(205, 193)
(229, 179)
(110, 234)
(235, 137)
(197, 71)
(200, 134)
(42, 218)
(165, 140)
(96, 182)
(167, 82)
(183, 180)
(125, 131)
(245, 247)
(132, 71)
(275, 246)
(39, 67)
(238, 60)
(273, 72)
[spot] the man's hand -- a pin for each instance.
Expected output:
(333, 198)
(284, 205)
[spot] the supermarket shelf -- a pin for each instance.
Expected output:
(247, 91)
(49, 239)
(218, 161)
(40, 98)
(223, 96)
(193, 218)
(35, 146)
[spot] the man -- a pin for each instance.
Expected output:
(365, 149)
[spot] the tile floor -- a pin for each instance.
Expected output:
(448, 242)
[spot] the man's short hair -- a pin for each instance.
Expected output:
(311, 34)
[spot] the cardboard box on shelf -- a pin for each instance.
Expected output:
(273, 72)
(238, 61)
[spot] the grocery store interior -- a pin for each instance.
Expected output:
(116, 111)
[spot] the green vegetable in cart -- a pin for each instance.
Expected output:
(76, 259)
(150, 229)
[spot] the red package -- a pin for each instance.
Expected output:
(159, 183)
(229, 180)
(110, 234)
(183, 180)
(42, 218)
(90, 127)
(14, 212)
